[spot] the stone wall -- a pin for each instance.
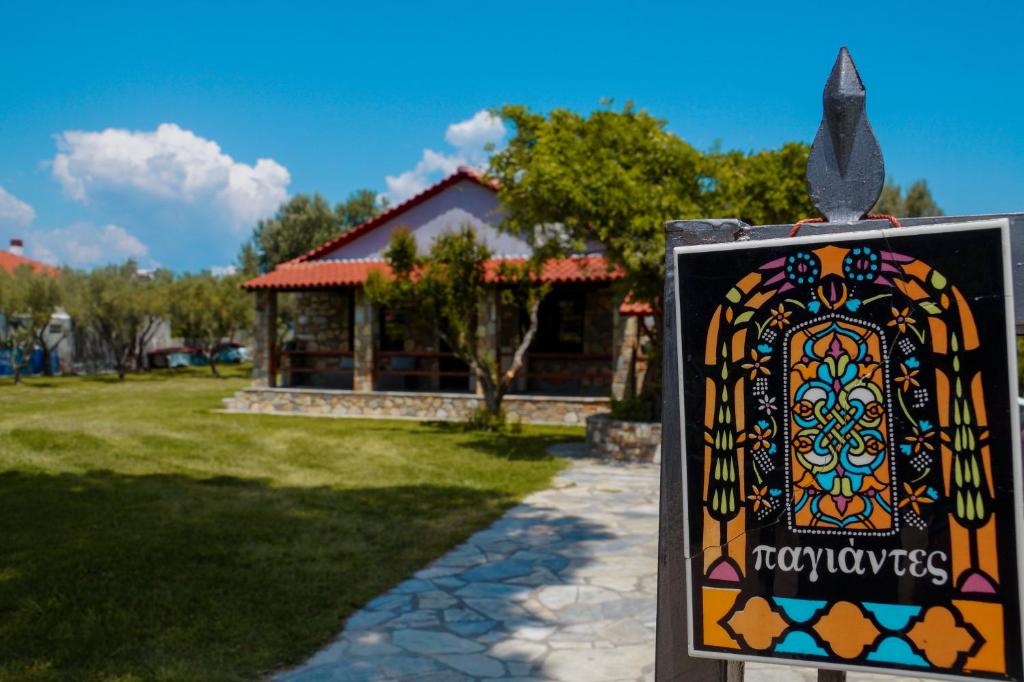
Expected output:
(264, 333)
(418, 406)
(322, 324)
(609, 438)
(322, 320)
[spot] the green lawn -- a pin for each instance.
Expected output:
(145, 537)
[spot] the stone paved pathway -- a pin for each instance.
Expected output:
(562, 587)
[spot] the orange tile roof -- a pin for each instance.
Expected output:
(10, 262)
(317, 274)
(629, 307)
(338, 273)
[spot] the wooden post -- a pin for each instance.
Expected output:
(671, 660)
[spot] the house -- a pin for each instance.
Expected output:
(58, 334)
(351, 357)
(73, 350)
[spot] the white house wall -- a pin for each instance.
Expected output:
(466, 202)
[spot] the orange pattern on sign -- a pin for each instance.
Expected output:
(757, 623)
(846, 630)
(940, 637)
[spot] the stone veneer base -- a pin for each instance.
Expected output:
(420, 406)
(624, 441)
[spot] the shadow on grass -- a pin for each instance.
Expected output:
(528, 445)
(105, 575)
(198, 372)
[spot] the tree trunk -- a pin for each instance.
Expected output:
(519, 356)
(651, 388)
(121, 363)
(47, 370)
(212, 357)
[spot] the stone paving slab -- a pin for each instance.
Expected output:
(562, 587)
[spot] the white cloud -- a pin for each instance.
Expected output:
(469, 138)
(223, 270)
(472, 136)
(401, 187)
(14, 211)
(170, 164)
(85, 245)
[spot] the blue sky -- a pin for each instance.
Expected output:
(134, 130)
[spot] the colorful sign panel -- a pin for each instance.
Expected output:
(851, 463)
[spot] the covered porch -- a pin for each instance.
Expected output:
(585, 346)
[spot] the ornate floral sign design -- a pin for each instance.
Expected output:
(850, 450)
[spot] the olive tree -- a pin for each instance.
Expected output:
(450, 285)
(208, 311)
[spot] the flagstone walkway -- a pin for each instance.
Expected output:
(562, 587)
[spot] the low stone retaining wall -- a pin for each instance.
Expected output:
(622, 440)
(409, 405)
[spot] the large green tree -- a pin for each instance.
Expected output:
(302, 223)
(617, 175)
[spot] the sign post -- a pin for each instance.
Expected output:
(841, 474)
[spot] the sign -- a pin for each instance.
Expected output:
(851, 477)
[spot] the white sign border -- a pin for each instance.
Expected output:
(1003, 224)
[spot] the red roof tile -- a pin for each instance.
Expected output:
(10, 262)
(463, 173)
(317, 274)
(338, 273)
(635, 308)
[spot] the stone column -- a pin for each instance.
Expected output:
(624, 349)
(264, 337)
(487, 332)
(364, 341)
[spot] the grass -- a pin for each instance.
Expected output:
(145, 537)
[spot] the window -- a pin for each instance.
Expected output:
(392, 330)
(560, 318)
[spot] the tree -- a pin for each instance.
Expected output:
(208, 311)
(359, 207)
(29, 300)
(617, 176)
(154, 291)
(917, 202)
(766, 187)
(301, 224)
(449, 287)
(109, 304)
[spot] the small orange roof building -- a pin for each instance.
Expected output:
(586, 346)
(12, 259)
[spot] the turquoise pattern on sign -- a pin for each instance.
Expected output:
(895, 650)
(797, 642)
(799, 610)
(892, 616)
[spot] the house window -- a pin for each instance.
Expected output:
(392, 330)
(560, 322)
(56, 328)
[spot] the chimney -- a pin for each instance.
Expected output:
(17, 247)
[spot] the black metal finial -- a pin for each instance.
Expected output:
(845, 171)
